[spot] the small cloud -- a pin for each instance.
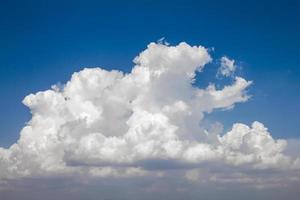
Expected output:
(163, 41)
(227, 67)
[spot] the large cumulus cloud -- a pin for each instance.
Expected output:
(107, 123)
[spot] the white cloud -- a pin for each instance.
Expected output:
(227, 67)
(107, 123)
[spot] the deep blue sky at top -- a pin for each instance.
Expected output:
(44, 42)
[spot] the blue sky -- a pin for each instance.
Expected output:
(42, 43)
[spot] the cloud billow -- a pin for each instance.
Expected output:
(107, 123)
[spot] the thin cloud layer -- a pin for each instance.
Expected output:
(106, 123)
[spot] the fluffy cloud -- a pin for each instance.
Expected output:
(107, 123)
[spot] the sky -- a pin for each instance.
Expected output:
(243, 58)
